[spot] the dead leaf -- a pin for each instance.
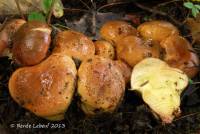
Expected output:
(8, 7)
(90, 23)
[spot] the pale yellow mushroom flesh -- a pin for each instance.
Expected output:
(160, 86)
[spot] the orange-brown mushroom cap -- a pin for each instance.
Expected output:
(45, 89)
(8, 31)
(74, 44)
(114, 30)
(180, 54)
(101, 85)
(31, 43)
(157, 30)
(132, 50)
(104, 48)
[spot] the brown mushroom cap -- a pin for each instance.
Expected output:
(74, 44)
(104, 48)
(31, 43)
(180, 54)
(101, 85)
(45, 89)
(125, 69)
(7, 32)
(114, 30)
(132, 50)
(157, 30)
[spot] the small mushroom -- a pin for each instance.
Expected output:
(74, 44)
(114, 30)
(104, 48)
(7, 32)
(132, 50)
(157, 30)
(45, 89)
(160, 86)
(101, 86)
(31, 43)
(180, 54)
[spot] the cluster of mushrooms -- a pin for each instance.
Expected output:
(154, 58)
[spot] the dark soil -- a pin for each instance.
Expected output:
(133, 116)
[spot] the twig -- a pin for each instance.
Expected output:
(188, 35)
(163, 4)
(111, 4)
(167, 2)
(56, 28)
(62, 26)
(75, 10)
(192, 114)
(94, 22)
(85, 4)
(93, 4)
(149, 9)
(50, 12)
(197, 49)
(195, 83)
(19, 9)
(158, 12)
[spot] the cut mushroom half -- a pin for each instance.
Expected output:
(160, 86)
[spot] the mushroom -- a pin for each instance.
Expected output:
(125, 69)
(31, 43)
(115, 30)
(74, 44)
(45, 89)
(132, 50)
(157, 30)
(180, 54)
(101, 86)
(104, 48)
(160, 86)
(7, 32)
